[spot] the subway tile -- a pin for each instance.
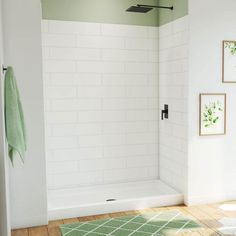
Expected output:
(61, 167)
(153, 126)
(89, 116)
(86, 28)
(142, 92)
(90, 141)
(76, 129)
(78, 154)
(136, 126)
(62, 142)
(48, 130)
(129, 174)
(153, 104)
(125, 79)
(87, 54)
(166, 42)
(99, 42)
(165, 30)
(77, 179)
(124, 55)
(153, 56)
(142, 161)
(88, 79)
(103, 164)
(153, 32)
(142, 68)
(55, 66)
(124, 30)
(46, 53)
(89, 92)
(62, 27)
(141, 138)
(153, 149)
(114, 128)
(47, 79)
(58, 40)
(100, 67)
(60, 117)
(180, 38)
(153, 172)
(63, 53)
(125, 150)
(180, 24)
(138, 44)
(108, 116)
(47, 105)
(124, 103)
(142, 115)
(101, 116)
(54, 92)
(62, 79)
(101, 140)
(153, 80)
(113, 92)
(76, 104)
(44, 26)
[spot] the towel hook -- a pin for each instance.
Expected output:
(4, 69)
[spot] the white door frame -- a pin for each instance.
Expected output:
(4, 182)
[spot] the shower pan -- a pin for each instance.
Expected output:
(102, 114)
(94, 200)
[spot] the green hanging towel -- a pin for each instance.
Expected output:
(14, 118)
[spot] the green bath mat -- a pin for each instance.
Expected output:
(150, 224)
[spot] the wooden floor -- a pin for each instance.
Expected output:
(209, 216)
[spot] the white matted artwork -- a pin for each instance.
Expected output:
(229, 62)
(212, 114)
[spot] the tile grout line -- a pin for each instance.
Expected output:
(74, 229)
(81, 230)
(183, 226)
(146, 222)
(124, 224)
(99, 226)
(165, 224)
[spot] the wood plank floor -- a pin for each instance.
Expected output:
(211, 217)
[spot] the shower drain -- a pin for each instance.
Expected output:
(111, 200)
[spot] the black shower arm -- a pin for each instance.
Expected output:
(170, 8)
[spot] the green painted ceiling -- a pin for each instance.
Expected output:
(112, 11)
(180, 10)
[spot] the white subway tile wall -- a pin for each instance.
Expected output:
(101, 102)
(173, 82)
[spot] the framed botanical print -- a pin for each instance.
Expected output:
(212, 114)
(229, 62)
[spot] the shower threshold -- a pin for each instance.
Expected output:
(94, 200)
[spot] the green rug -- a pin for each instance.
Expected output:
(151, 224)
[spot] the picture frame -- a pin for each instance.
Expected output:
(229, 61)
(212, 114)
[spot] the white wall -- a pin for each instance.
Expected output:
(22, 37)
(101, 99)
(4, 178)
(173, 86)
(212, 162)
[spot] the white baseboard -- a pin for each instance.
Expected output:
(27, 221)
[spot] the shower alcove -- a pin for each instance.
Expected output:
(107, 148)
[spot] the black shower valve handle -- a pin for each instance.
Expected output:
(165, 112)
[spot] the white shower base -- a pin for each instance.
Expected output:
(84, 201)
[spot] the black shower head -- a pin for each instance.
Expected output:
(146, 8)
(139, 9)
